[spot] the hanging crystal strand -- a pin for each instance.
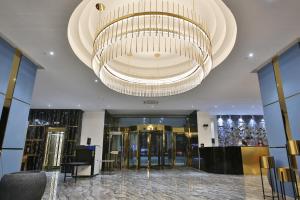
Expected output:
(193, 26)
(150, 17)
(127, 22)
(173, 20)
(147, 44)
(112, 29)
(168, 8)
(153, 44)
(144, 18)
(138, 18)
(189, 31)
(121, 33)
(179, 32)
(156, 17)
(184, 24)
(162, 18)
(132, 19)
(180, 49)
(117, 30)
(165, 44)
(198, 32)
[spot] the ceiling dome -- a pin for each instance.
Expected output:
(152, 47)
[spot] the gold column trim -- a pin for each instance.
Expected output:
(9, 93)
(281, 99)
(12, 78)
(283, 108)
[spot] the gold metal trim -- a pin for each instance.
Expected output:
(9, 93)
(283, 108)
(56, 129)
(293, 147)
(251, 158)
(286, 123)
(267, 162)
(285, 174)
(100, 7)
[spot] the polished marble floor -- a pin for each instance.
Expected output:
(181, 183)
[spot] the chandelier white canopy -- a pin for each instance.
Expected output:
(152, 48)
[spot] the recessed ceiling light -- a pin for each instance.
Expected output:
(79, 105)
(49, 105)
(250, 55)
(96, 80)
(51, 53)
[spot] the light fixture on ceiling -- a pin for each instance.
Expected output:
(49, 105)
(51, 53)
(96, 80)
(251, 55)
(185, 38)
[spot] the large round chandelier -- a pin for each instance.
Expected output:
(152, 48)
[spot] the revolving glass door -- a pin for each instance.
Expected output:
(149, 148)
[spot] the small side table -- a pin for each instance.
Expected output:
(73, 165)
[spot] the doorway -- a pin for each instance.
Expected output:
(149, 146)
(152, 146)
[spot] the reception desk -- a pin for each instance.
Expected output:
(232, 160)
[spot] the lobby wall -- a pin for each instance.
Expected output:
(207, 129)
(93, 127)
(40, 122)
(280, 93)
(17, 76)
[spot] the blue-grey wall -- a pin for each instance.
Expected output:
(290, 72)
(17, 123)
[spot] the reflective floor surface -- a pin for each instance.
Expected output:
(181, 183)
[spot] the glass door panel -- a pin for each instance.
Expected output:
(143, 145)
(133, 143)
(168, 148)
(116, 143)
(181, 149)
(156, 148)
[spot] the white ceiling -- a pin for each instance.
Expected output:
(40, 26)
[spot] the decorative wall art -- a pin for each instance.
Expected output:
(245, 130)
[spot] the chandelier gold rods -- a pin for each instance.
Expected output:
(201, 47)
(132, 15)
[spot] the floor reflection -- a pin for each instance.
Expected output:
(181, 183)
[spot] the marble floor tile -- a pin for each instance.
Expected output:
(179, 184)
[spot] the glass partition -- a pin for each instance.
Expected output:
(133, 149)
(152, 146)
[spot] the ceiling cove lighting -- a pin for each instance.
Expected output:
(152, 48)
